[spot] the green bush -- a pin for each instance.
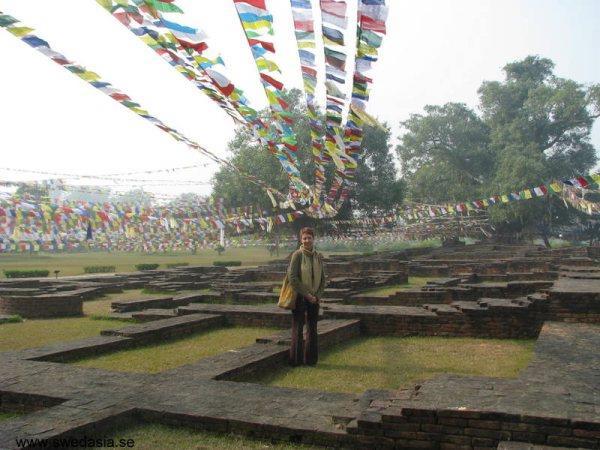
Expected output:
(12, 319)
(147, 266)
(108, 317)
(99, 269)
(34, 273)
(227, 263)
(179, 264)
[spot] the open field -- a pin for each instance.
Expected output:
(175, 353)
(392, 362)
(73, 263)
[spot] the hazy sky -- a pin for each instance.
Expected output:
(436, 51)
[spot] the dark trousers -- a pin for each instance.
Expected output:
(304, 350)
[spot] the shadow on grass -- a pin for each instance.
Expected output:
(393, 362)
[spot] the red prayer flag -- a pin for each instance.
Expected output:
(283, 103)
(256, 3)
(266, 45)
(309, 71)
(582, 181)
(304, 25)
(199, 47)
(370, 24)
(272, 81)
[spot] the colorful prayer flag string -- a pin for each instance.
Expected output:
(26, 35)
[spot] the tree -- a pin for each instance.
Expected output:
(138, 196)
(541, 126)
(445, 153)
(377, 187)
(38, 191)
(534, 127)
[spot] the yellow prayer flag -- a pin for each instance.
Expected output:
(556, 187)
(89, 76)
(20, 31)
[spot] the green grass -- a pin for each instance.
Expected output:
(73, 263)
(161, 357)
(12, 319)
(101, 306)
(413, 283)
(393, 362)
(38, 332)
(156, 436)
(7, 416)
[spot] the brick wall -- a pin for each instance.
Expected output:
(465, 430)
(40, 307)
(486, 323)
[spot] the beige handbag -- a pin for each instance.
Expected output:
(287, 295)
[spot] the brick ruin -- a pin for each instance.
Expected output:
(484, 290)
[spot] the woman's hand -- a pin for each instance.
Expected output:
(311, 298)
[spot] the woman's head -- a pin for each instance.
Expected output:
(307, 237)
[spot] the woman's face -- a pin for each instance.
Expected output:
(307, 240)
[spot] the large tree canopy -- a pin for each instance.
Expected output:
(377, 187)
(534, 127)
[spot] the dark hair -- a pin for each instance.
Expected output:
(307, 230)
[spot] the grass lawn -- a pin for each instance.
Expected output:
(73, 263)
(101, 306)
(38, 332)
(391, 362)
(7, 416)
(156, 436)
(413, 283)
(161, 357)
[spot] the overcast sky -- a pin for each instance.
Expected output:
(436, 51)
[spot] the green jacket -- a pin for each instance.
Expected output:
(295, 278)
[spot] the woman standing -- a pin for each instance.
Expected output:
(307, 277)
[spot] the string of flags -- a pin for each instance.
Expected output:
(117, 175)
(25, 34)
(27, 223)
(575, 197)
(554, 187)
(187, 50)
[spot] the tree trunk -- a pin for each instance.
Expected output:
(546, 241)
